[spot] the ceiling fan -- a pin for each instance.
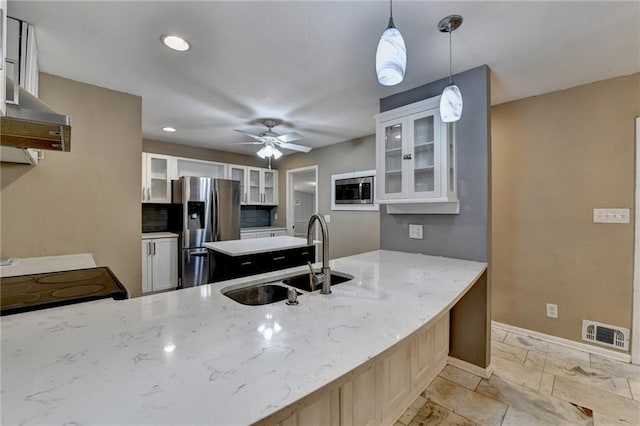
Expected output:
(272, 140)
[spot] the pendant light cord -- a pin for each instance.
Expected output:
(391, 24)
(450, 55)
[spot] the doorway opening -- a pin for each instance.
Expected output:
(302, 199)
(635, 323)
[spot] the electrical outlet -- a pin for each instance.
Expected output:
(275, 216)
(415, 231)
(552, 310)
(327, 218)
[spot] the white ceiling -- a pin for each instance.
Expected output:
(311, 63)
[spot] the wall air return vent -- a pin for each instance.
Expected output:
(605, 334)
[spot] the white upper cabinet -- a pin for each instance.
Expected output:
(258, 186)
(200, 168)
(262, 186)
(239, 173)
(416, 164)
(157, 172)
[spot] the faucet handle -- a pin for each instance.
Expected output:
(310, 267)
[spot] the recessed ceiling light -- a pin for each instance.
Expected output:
(169, 129)
(175, 42)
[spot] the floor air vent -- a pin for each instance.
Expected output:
(605, 334)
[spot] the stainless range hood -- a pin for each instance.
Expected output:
(30, 123)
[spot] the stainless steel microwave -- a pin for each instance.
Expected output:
(354, 190)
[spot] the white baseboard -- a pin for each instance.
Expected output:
(605, 353)
(485, 373)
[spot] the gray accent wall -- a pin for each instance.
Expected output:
(464, 235)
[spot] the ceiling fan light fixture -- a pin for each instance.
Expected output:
(451, 98)
(175, 42)
(391, 54)
(262, 154)
(269, 151)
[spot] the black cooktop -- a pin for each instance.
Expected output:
(38, 291)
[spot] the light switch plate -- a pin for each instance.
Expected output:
(415, 232)
(327, 218)
(610, 215)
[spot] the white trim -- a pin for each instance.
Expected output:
(605, 353)
(289, 204)
(485, 373)
(635, 322)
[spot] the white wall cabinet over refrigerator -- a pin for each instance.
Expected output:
(416, 160)
(193, 167)
(159, 264)
(157, 172)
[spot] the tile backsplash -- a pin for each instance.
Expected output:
(254, 216)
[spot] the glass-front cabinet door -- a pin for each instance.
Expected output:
(270, 187)
(157, 182)
(239, 173)
(425, 174)
(390, 158)
(254, 190)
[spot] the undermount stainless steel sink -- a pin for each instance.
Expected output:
(275, 291)
(259, 294)
(303, 282)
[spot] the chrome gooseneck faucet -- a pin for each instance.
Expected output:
(325, 275)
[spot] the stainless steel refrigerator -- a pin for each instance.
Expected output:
(210, 212)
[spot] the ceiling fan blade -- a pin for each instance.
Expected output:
(256, 137)
(247, 143)
(290, 137)
(294, 147)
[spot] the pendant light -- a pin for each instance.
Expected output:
(391, 55)
(451, 99)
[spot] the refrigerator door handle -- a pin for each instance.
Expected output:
(199, 254)
(215, 219)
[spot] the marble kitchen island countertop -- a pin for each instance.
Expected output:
(194, 356)
(256, 245)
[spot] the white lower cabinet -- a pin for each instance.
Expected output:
(159, 264)
(379, 391)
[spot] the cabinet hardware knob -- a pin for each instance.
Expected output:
(406, 157)
(279, 258)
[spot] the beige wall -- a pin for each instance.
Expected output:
(350, 232)
(177, 150)
(555, 157)
(86, 200)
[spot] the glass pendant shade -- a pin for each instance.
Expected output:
(451, 104)
(268, 151)
(391, 57)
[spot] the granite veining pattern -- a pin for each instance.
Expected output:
(195, 356)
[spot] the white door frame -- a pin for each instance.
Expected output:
(635, 324)
(290, 201)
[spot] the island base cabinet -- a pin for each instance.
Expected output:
(378, 392)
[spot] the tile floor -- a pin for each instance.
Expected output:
(534, 383)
